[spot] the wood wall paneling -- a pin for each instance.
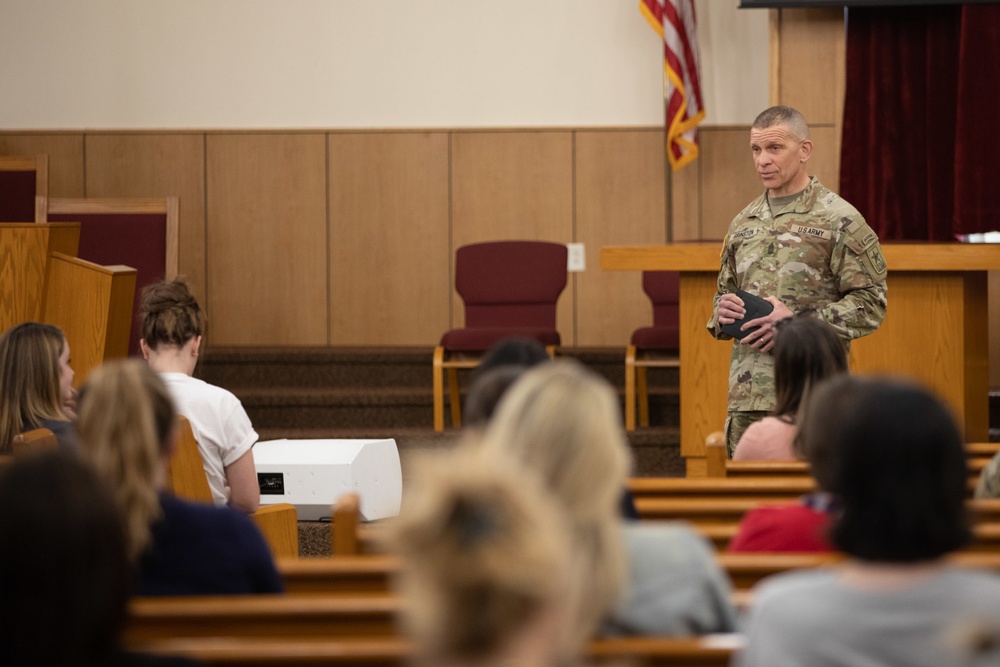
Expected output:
(685, 199)
(620, 200)
(825, 160)
(811, 63)
(389, 254)
(267, 239)
(157, 165)
(728, 179)
(65, 151)
(514, 185)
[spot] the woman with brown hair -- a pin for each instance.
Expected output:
(172, 324)
(807, 351)
(36, 384)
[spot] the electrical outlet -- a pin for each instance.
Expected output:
(576, 258)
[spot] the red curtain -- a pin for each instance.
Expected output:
(920, 143)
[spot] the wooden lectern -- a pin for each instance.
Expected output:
(935, 330)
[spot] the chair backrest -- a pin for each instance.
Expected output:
(141, 233)
(511, 283)
(186, 474)
(663, 289)
(24, 184)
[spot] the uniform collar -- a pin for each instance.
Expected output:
(802, 204)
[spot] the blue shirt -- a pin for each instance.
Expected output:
(201, 549)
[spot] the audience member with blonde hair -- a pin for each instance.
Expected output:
(563, 422)
(127, 429)
(172, 325)
(485, 553)
(36, 384)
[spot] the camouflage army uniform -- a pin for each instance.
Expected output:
(817, 252)
(989, 479)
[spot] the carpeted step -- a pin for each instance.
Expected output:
(317, 367)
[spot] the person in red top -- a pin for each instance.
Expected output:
(803, 526)
(800, 527)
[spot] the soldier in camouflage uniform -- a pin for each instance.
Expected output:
(799, 246)
(989, 479)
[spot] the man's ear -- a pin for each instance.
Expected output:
(805, 150)
(144, 348)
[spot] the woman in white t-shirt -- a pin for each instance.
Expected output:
(172, 325)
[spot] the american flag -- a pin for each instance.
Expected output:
(674, 21)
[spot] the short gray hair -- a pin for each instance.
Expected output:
(781, 115)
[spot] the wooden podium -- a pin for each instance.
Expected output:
(935, 330)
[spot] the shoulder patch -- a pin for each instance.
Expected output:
(863, 242)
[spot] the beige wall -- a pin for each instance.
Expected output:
(251, 64)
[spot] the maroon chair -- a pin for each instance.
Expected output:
(509, 288)
(654, 346)
(24, 185)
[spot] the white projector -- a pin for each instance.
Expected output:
(313, 474)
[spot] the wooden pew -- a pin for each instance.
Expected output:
(349, 536)
(186, 479)
(36, 440)
(711, 651)
(25, 249)
(251, 616)
(359, 576)
(344, 627)
(92, 304)
(718, 464)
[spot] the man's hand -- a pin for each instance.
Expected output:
(729, 309)
(763, 338)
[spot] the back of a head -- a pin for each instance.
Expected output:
(890, 451)
(169, 314)
(783, 115)
(807, 351)
(64, 575)
(29, 378)
(485, 553)
(563, 421)
(485, 392)
(513, 351)
(126, 424)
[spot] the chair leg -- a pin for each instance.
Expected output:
(438, 389)
(630, 388)
(643, 392)
(456, 400)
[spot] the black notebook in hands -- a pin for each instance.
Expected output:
(755, 307)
